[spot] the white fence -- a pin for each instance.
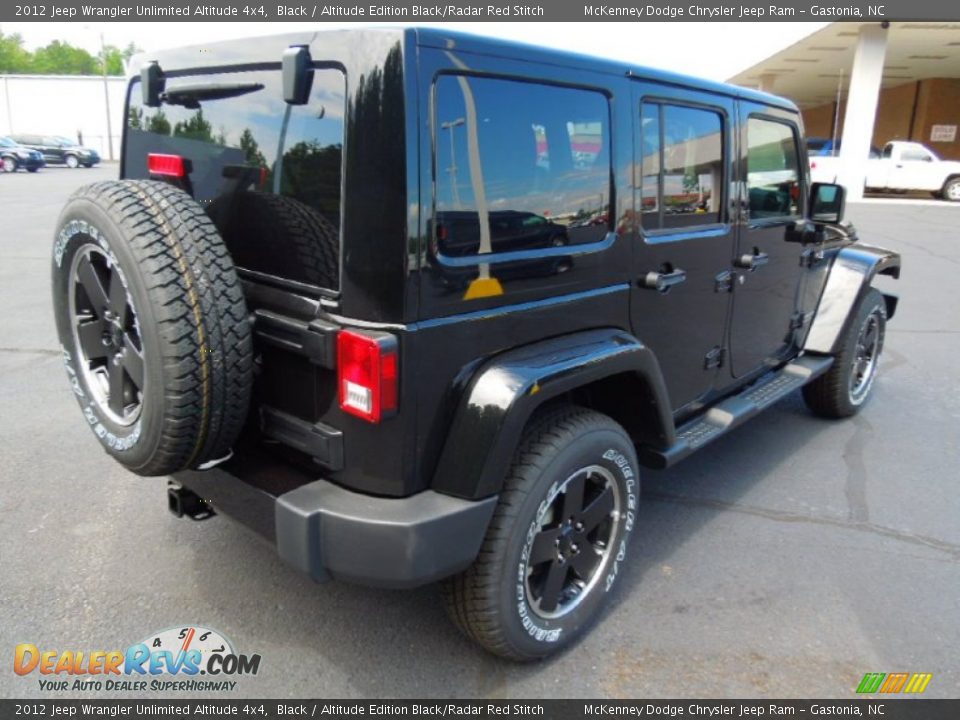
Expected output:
(68, 105)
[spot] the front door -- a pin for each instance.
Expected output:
(684, 150)
(766, 267)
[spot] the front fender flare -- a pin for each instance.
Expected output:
(851, 273)
(507, 389)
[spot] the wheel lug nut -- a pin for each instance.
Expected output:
(574, 548)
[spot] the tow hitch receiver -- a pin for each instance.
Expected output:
(183, 502)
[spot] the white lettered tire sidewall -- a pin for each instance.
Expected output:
(84, 223)
(613, 451)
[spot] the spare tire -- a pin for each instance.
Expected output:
(153, 325)
(279, 235)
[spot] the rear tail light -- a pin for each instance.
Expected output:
(168, 165)
(813, 165)
(367, 374)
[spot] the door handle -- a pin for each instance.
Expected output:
(663, 281)
(751, 261)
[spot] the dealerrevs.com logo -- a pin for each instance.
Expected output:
(170, 660)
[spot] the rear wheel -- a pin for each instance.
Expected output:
(72, 161)
(557, 539)
(845, 387)
(9, 165)
(951, 190)
(153, 325)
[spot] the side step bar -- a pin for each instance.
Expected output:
(735, 410)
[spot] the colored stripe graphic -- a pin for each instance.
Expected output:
(870, 683)
(894, 683)
(918, 682)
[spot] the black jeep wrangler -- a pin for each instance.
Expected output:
(417, 306)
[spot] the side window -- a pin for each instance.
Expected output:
(772, 169)
(531, 162)
(915, 154)
(681, 166)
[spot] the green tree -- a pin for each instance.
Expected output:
(135, 118)
(158, 123)
(13, 58)
(251, 149)
(60, 58)
(196, 128)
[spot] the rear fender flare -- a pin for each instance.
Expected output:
(851, 274)
(507, 389)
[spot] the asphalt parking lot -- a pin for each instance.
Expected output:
(786, 560)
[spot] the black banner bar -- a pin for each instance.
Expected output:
(894, 709)
(476, 11)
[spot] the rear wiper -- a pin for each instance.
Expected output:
(190, 95)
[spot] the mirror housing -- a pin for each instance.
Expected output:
(152, 83)
(827, 202)
(297, 74)
(806, 233)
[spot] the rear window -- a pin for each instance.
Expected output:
(531, 161)
(268, 173)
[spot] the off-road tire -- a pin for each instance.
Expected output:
(489, 601)
(302, 243)
(189, 318)
(831, 395)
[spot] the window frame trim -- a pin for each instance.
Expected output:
(711, 229)
(753, 222)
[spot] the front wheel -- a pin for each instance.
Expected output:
(9, 165)
(72, 162)
(557, 540)
(951, 190)
(845, 387)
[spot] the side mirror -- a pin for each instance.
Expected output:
(827, 202)
(297, 74)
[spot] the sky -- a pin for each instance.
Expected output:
(711, 50)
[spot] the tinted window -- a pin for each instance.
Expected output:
(772, 169)
(268, 173)
(533, 160)
(682, 166)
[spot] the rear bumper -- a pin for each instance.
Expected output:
(328, 531)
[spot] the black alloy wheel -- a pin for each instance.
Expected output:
(107, 335)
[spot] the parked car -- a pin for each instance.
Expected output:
(263, 313)
(14, 156)
(827, 147)
(58, 150)
(902, 166)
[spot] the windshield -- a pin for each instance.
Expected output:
(65, 142)
(7, 142)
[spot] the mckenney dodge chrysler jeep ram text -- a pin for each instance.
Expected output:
(417, 306)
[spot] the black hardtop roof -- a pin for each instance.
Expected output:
(446, 40)
(243, 50)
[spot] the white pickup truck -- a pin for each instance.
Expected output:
(901, 166)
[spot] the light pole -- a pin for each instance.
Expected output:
(106, 96)
(453, 159)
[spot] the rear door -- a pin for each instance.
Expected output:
(52, 150)
(766, 266)
(684, 146)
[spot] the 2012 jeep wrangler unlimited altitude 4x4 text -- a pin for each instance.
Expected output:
(417, 306)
